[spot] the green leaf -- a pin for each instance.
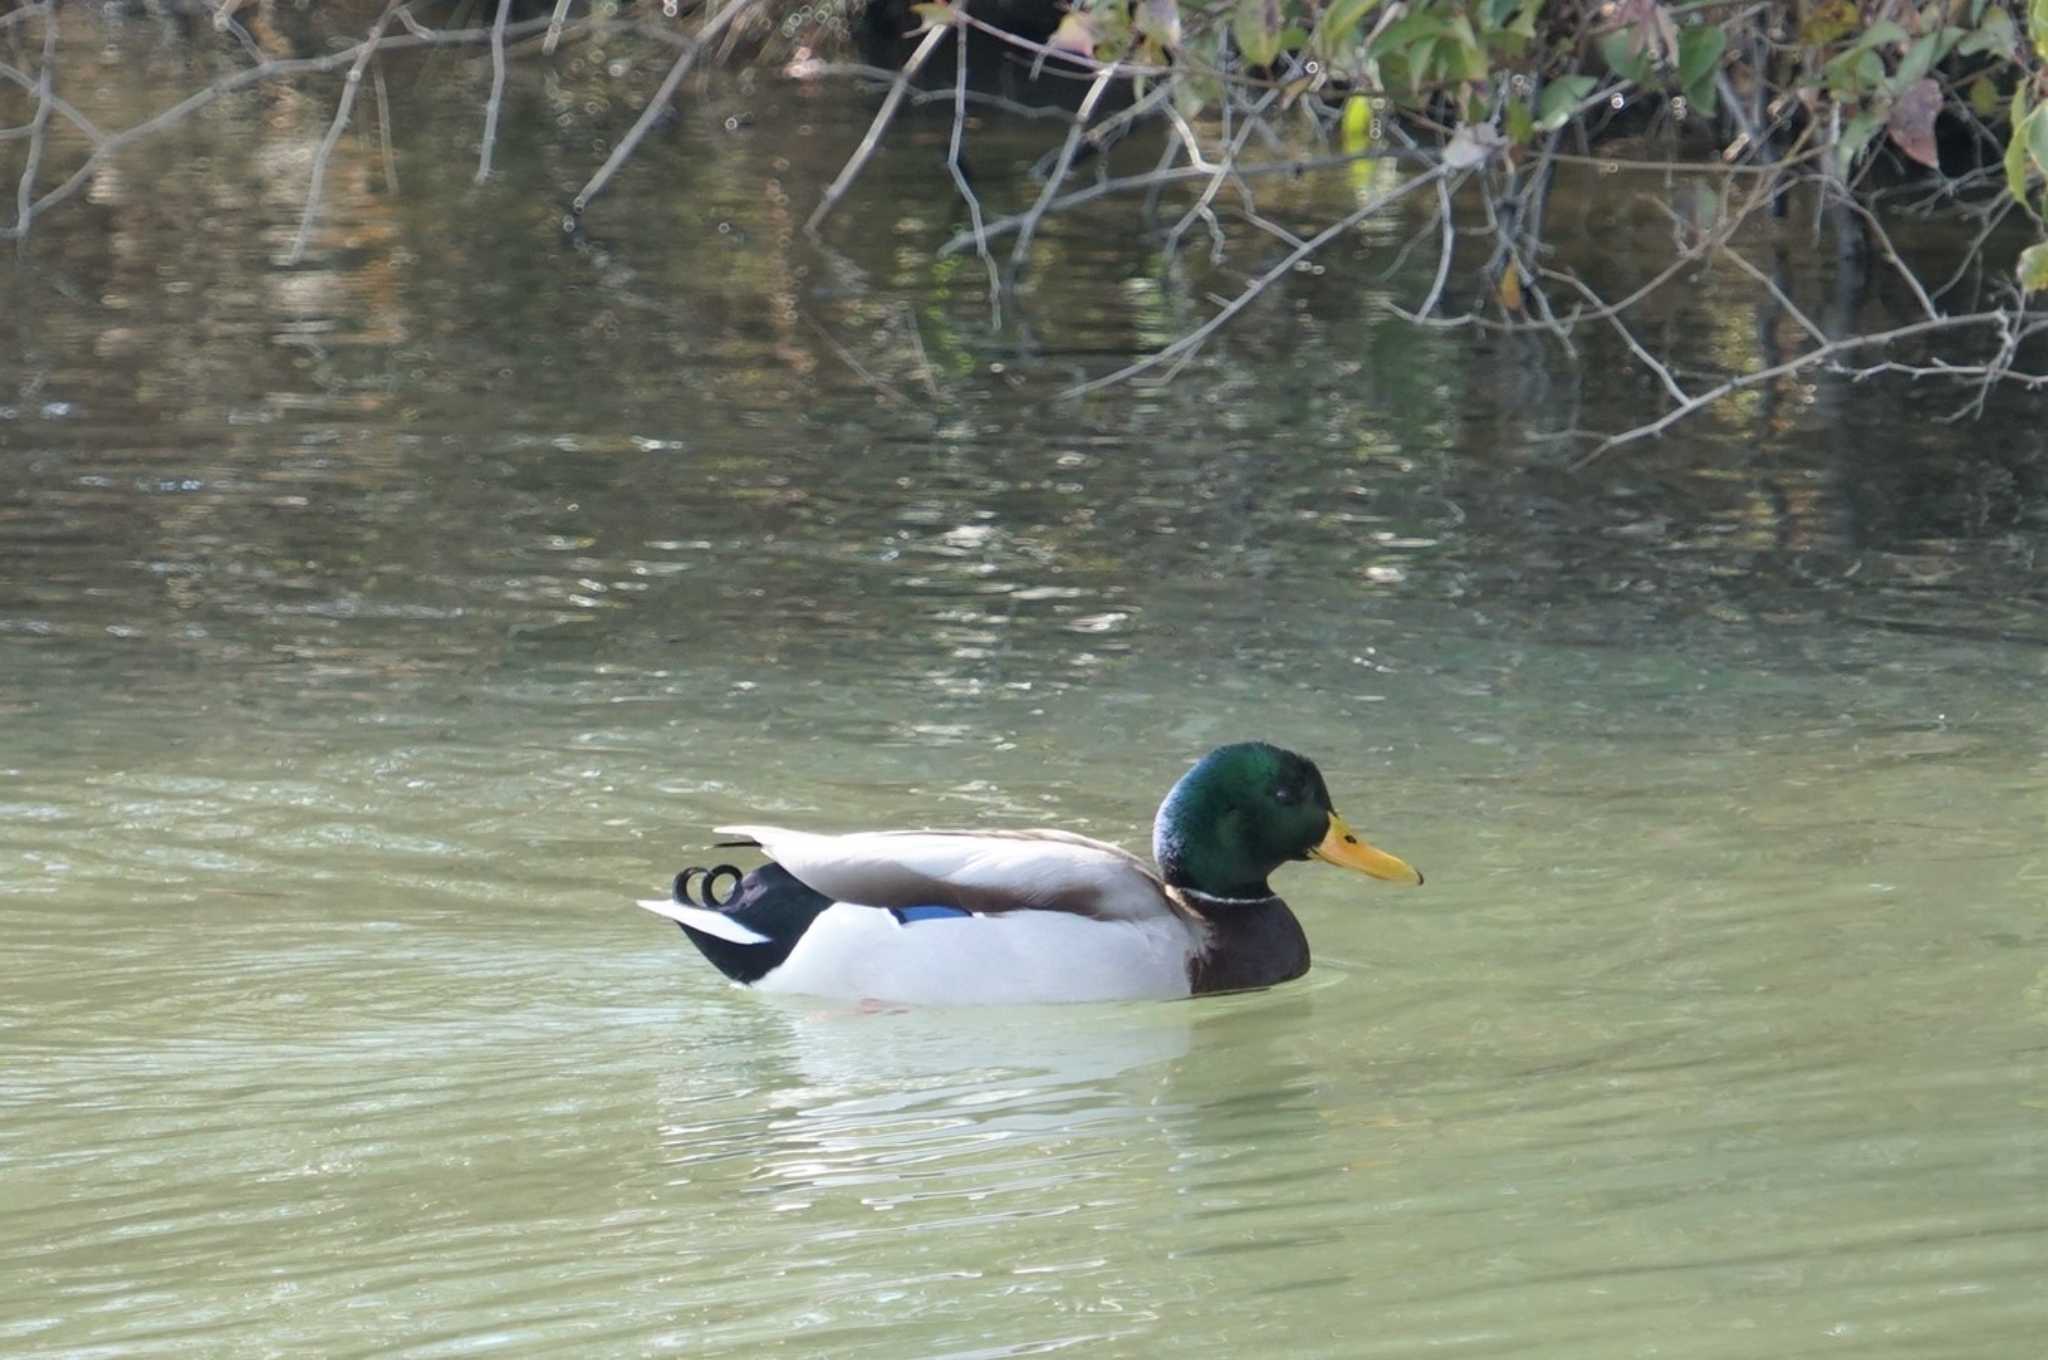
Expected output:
(1919, 59)
(2037, 137)
(1554, 106)
(2033, 268)
(1856, 71)
(1885, 33)
(1995, 35)
(1618, 49)
(2037, 27)
(1699, 55)
(1521, 127)
(1256, 26)
(1462, 56)
(1402, 33)
(2016, 148)
(1341, 25)
(1856, 136)
(1498, 12)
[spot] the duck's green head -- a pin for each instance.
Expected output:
(1247, 809)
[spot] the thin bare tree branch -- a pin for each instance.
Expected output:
(1194, 339)
(351, 83)
(959, 173)
(38, 130)
(109, 144)
(855, 163)
(1818, 354)
(497, 99)
(1443, 259)
(547, 44)
(711, 28)
(1153, 179)
(384, 131)
(1029, 224)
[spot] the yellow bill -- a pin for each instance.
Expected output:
(1343, 848)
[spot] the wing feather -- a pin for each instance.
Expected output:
(978, 871)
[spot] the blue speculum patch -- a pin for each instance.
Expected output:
(910, 915)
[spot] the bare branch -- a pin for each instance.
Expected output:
(384, 132)
(1155, 178)
(1222, 169)
(351, 84)
(1029, 223)
(1443, 259)
(846, 356)
(547, 44)
(38, 129)
(108, 144)
(995, 283)
(497, 99)
(1891, 255)
(809, 70)
(711, 28)
(1818, 354)
(924, 363)
(1195, 338)
(1650, 361)
(855, 163)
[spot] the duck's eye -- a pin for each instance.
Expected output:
(1283, 794)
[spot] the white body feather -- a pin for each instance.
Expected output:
(862, 954)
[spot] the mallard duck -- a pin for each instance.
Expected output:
(1005, 917)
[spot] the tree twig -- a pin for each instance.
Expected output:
(1029, 224)
(1443, 259)
(855, 163)
(110, 143)
(351, 83)
(384, 131)
(547, 44)
(1649, 360)
(1222, 169)
(1818, 354)
(58, 104)
(995, 282)
(38, 129)
(711, 28)
(1194, 339)
(497, 99)
(1153, 179)
(846, 356)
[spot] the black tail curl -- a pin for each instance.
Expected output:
(709, 887)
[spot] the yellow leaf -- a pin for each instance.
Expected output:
(1509, 290)
(2033, 268)
(1357, 124)
(1829, 22)
(1984, 97)
(1075, 34)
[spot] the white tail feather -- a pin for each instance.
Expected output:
(698, 918)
